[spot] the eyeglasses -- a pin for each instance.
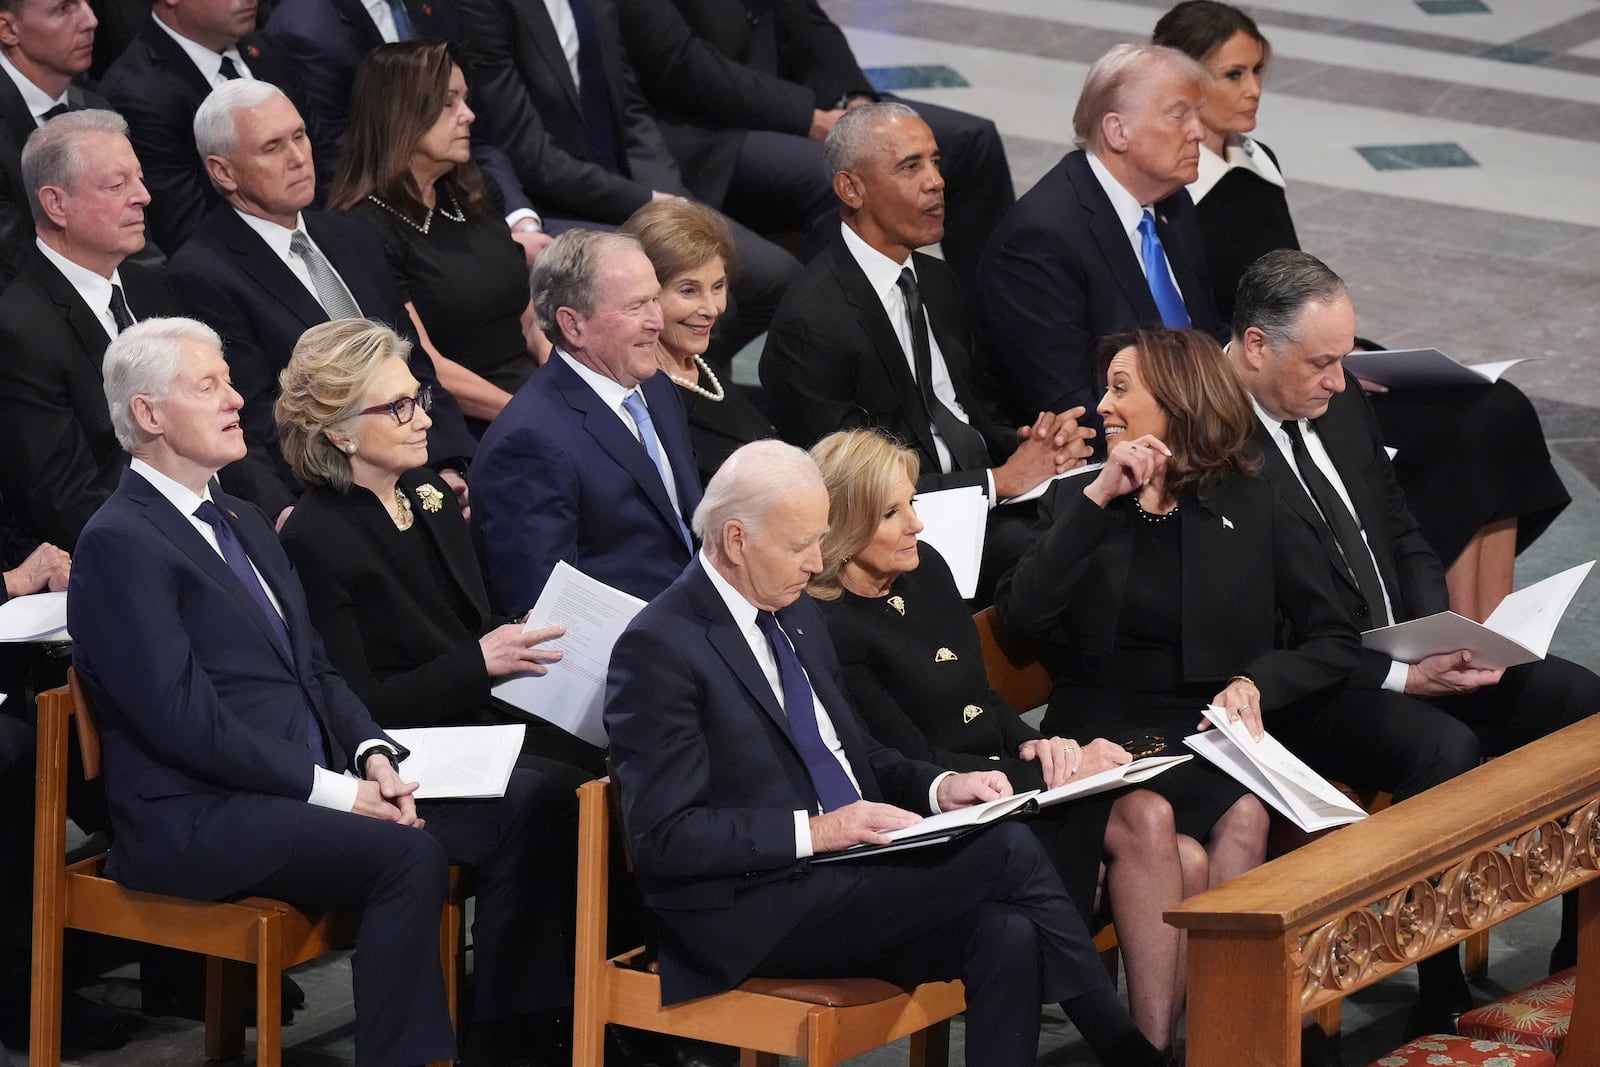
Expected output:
(1145, 745)
(404, 408)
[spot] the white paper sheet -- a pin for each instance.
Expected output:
(572, 695)
(1420, 368)
(1140, 770)
(460, 761)
(956, 522)
(1039, 490)
(38, 617)
(1518, 631)
(1274, 774)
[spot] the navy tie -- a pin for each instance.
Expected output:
(239, 563)
(594, 95)
(403, 28)
(633, 404)
(833, 786)
(1159, 274)
(228, 70)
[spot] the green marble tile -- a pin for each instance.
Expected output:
(1416, 156)
(932, 76)
(1511, 53)
(1453, 7)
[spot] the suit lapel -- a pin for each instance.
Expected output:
(446, 547)
(364, 33)
(165, 52)
(356, 275)
(729, 641)
(1351, 454)
(267, 270)
(1115, 249)
(1184, 270)
(15, 117)
(672, 428)
(1281, 473)
(536, 21)
(93, 337)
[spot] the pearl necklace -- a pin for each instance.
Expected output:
(695, 387)
(457, 215)
(404, 520)
(1147, 516)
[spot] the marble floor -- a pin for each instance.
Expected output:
(1442, 155)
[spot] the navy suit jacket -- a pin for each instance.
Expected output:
(157, 88)
(558, 476)
(16, 214)
(710, 779)
(226, 276)
(1059, 274)
(200, 711)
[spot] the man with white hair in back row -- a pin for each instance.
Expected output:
(741, 765)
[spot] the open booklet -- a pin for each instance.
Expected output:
(1274, 774)
(1140, 770)
(1419, 368)
(572, 694)
(460, 761)
(955, 522)
(38, 617)
(1518, 631)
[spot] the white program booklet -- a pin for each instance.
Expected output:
(460, 761)
(572, 694)
(938, 829)
(1140, 770)
(1417, 368)
(1274, 774)
(38, 617)
(1518, 631)
(955, 523)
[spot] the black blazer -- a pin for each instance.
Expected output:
(226, 276)
(410, 661)
(833, 362)
(1257, 598)
(62, 459)
(16, 213)
(710, 779)
(1411, 572)
(1059, 274)
(158, 89)
(328, 39)
(526, 99)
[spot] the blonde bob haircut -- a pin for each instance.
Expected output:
(861, 469)
(322, 388)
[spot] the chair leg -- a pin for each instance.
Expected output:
(931, 1047)
(1475, 960)
(49, 883)
(269, 993)
(1330, 1017)
(748, 1057)
(822, 1035)
(225, 984)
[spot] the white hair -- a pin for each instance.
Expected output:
(143, 361)
(214, 130)
(749, 485)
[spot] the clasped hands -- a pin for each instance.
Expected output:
(1054, 444)
(1130, 466)
(384, 795)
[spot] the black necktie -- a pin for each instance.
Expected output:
(1345, 531)
(832, 785)
(59, 109)
(228, 70)
(119, 309)
(593, 94)
(966, 444)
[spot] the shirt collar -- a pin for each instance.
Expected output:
(95, 290)
(883, 273)
(208, 62)
(276, 236)
(1241, 153)
(180, 496)
(743, 612)
(613, 393)
(37, 100)
(1129, 210)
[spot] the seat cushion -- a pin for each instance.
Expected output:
(1536, 1017)
(1448, 1050)
(830, 992)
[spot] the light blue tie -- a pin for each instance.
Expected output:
(633, 404)
(1159, 275)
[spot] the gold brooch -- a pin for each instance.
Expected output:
(970, 712)
(432, 499)
(944, 655)
(898, 604)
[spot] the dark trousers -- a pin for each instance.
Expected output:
(17, 747)
(396, 877)
(988, 910)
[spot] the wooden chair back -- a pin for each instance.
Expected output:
(1013, 665)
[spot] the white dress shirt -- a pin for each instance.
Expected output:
(329, 789)
(1129, 213)
(567, 34)
(209, 63)
(95, 290)
(614, 394)
(278, 238)
(1395, 680)
(1242, 154)
(37, 100)
(383, 17)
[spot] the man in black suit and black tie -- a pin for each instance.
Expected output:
(44, 45)
(1107, 241)
(74, 294)
(261, 269)
(186, 49)
(1400, 725)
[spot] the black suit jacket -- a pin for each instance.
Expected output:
(158, 89)
(226, 276)
(1411, 572)
(1256, 596)
(62, 459)
(714, 69)
(525, 97)
(1059, 274)
(16, 213)
(833, 362)
(328, 39)
(200, 709)
(711, 779)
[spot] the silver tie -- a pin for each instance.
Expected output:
(331, 292)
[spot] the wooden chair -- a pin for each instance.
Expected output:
(822, 1022)
(268, 933)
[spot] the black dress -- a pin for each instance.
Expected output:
(469, 283)
(914, 669)
(718, 427)
(1465, 456)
